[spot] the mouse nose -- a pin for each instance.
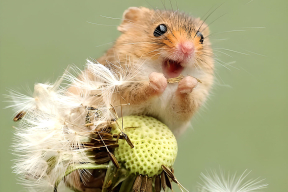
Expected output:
(187, 47)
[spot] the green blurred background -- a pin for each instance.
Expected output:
(244, 124)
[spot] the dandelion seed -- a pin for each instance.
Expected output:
(212, 182)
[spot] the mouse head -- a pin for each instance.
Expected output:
(174, 39)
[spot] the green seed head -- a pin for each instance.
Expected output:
(154, 145)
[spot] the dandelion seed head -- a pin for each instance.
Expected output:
(51, 137)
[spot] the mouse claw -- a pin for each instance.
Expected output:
(157, 82)
(187, 84)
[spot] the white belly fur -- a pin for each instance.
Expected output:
(160, 107)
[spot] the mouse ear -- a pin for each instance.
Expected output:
(130, 16)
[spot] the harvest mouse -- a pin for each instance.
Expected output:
(169, 44)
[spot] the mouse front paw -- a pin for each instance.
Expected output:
(187, 84)
(157, 82)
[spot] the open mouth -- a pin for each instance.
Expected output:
(172, 68)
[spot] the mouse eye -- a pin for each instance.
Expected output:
(160, 30)
(199, 34)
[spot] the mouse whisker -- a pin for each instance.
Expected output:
(223, 53)
(208, 17)
(101, 24)
(110, 17)
(216, 33)
(209, 24)
(231, 51)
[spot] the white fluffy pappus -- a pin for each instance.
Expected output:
(103, 80)
(48, 140)
(213, 182)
